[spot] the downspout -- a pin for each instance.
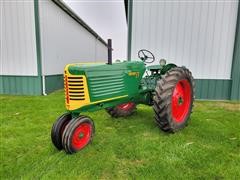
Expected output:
(42, 62)
(43, 86)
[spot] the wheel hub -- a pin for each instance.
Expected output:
(81, 136)
(180, 101)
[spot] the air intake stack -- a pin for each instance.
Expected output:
(110, 51)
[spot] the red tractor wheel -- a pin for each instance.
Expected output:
(78, 134)
(58, 128)
(122, 110)
(173, 100)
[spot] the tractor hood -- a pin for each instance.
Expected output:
(86, 68)
(93, 83)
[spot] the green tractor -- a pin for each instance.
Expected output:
(119, 88)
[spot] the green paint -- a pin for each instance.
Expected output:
(166, 68)
(216, 89)
(109, 81)
(53, 82)
(20, 85)
(124, 80)
(130, 9)
(109, 85)
(235, 90)
(38, 41)
(99, 106)
(163, 68)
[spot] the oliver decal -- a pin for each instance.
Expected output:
(136, 74)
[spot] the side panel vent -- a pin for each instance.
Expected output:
(107, 85)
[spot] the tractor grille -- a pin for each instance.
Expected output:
(76, 88)
(106, 85)
(76, 91)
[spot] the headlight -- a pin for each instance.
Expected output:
(162, 62)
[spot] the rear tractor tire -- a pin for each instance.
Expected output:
(173, 100)
(122, 110)
(58, 128)
(78, 134)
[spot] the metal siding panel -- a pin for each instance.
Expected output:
(227, 92)
(64, 41)
(25, 85)
(198, 83)
(219, 86)
(53, 82)
(20, 85)
(18, 50)
(204, 89)
(100, 52)
(212, 89)
(1, 85)
(199, 35)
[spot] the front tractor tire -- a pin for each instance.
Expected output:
(78, 134)
(173, 100)
(58, 128)
(122, 110)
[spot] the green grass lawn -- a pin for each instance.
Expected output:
(134, 147)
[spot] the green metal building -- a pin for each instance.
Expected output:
(201, 35)
(38, 38)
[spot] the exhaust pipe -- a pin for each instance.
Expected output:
(109, 51)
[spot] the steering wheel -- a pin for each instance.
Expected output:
(144, 55)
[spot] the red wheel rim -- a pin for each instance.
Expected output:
(126, 106)
(81, 136)
(181, 100)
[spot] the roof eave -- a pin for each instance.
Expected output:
(70, 12)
